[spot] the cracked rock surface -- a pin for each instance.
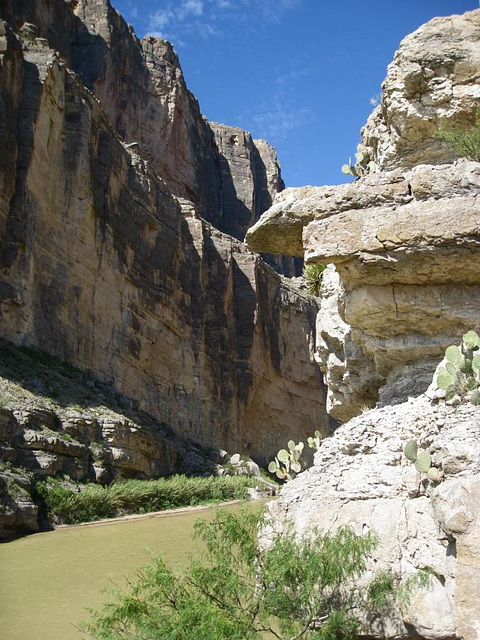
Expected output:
(404, 241)
(361, 478)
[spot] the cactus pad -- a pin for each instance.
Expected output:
(450, 368)
(444, 380)
(453, 354)
(423, 462)
(476, 363)
(434, 474)
(272, 467)
(411, 450)
(450, 392)
(296, 466)
(471, 340)
(283, 455)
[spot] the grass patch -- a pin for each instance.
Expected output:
(94, 502)
(465, 143)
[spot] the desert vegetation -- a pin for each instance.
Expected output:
(70, 505)
(312, 588)
(464, 142)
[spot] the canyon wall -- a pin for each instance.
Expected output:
(104, 267)
(404, 240)
(230, 178)
(402, 283)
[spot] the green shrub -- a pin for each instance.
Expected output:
(466, 143)
(94, 502)
(312, 274)
(306, 588)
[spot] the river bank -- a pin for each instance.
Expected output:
(48, 581)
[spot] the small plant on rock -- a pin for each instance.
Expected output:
(466, 143)
(312, 274)
(460, 377)
(422, 461)
(314, 441)
(363, 164)
(288, 462)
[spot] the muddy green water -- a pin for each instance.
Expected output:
(48, 580)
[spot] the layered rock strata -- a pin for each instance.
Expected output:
(230, 178)
(362, 479)
(105, 269)
(404, 242)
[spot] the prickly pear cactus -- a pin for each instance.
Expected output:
(460, 376)
(363, 165)
(287, 462)
(314, 441)
(422, 461)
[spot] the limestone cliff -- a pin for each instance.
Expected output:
(106, 269)
(250, 178)
(404, 241)
(403, 282)
(230, 178)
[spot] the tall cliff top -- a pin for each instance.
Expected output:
(433, 79)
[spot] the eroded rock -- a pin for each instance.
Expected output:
(362, 479)
(432, 80)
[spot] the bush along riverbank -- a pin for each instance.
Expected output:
(71, 504)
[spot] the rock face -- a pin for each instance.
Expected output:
(433, 79)
(230, 178)
(403, 282)
(104, 268)
(404, 242)
(250, 179)
(361, 478)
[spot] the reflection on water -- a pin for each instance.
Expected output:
(47, 580)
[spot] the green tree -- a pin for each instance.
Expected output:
(294, 589)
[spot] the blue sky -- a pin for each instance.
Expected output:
(300, 73)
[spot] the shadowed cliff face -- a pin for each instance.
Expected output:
(142, 90)
(101, 269)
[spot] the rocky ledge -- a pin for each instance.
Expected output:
(404, 242)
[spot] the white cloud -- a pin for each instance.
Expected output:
(190, 8)
(276, 119)
(159, 20)
(186, 16)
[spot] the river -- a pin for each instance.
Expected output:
(49, 580)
